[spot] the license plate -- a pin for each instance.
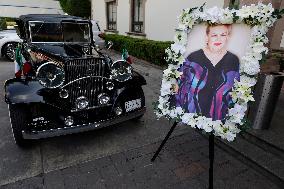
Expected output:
(132, 105)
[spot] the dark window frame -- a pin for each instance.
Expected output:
(137, 26)
(111, 24)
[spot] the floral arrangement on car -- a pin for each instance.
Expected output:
(190, 91)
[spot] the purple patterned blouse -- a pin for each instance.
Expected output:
(204, 88)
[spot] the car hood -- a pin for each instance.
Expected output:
(7, 32)
(62, 51)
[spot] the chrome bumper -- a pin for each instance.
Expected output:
(82, 128)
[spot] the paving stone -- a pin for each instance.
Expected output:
(122, 164)
(175, 167)
(30, 183)
(190, 171)
(191, 183)
(52, 180)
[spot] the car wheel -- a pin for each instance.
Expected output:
(18, 119)
(9, 51)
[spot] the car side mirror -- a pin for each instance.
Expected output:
(109, 44)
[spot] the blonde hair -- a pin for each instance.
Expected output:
(229, 27)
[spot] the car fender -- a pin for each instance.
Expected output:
(130, 88)
(22, 91)
(136, 80)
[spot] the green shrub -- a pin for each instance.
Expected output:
(6, 21)
(3, 24)
(149, 50)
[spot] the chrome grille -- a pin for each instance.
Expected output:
(85, 77)
(89, 87)
(78, 68)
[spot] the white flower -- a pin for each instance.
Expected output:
(186, 19)
(181, 60)
(171, 73)
(248, 81)
(216, 125)
(229, 136)
(188, 119)
(241, 93)
(213, 14)
(159, 115)
(232, 127)
(258, 47)
(173, 113)
(229, 131)
(250, 65)
(179, 111)
(167, 72)
(167, 86)
(244, 12)
(180, 37)
(227, 17)
(251, 69)
(208, 127)
(204, 123)
(163, 100)
(237, 113)
(178, 48)
(182, 27)
(165, 111)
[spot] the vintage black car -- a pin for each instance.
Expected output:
(66, 85)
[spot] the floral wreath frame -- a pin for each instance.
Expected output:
(259, 17)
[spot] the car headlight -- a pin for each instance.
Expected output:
(121, 71)
(50, 75)
(103, 99)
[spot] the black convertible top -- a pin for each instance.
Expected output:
(23, 20)
(49, 18)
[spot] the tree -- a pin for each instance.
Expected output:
(3, 25)
(3, 22)
(80, 8)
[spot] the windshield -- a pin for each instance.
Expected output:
(57, 32)
(74, 32)
(45, 32)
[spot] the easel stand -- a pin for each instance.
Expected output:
(211, 159)
(211, 152)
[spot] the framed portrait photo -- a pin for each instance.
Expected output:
(213, 65)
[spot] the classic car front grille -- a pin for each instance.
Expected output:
(89, 87)
(78, 68)
(85, 77)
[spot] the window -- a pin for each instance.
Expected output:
(234, 4)
(45, 32)
(137, 16)
(111, 15)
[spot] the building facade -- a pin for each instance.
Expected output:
(151, 19)
(157, 19)
(16, 8)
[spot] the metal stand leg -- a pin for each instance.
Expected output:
(164, 141)
(211, 159)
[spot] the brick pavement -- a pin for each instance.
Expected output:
(183, 163)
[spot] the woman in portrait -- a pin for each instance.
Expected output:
(208, 76)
